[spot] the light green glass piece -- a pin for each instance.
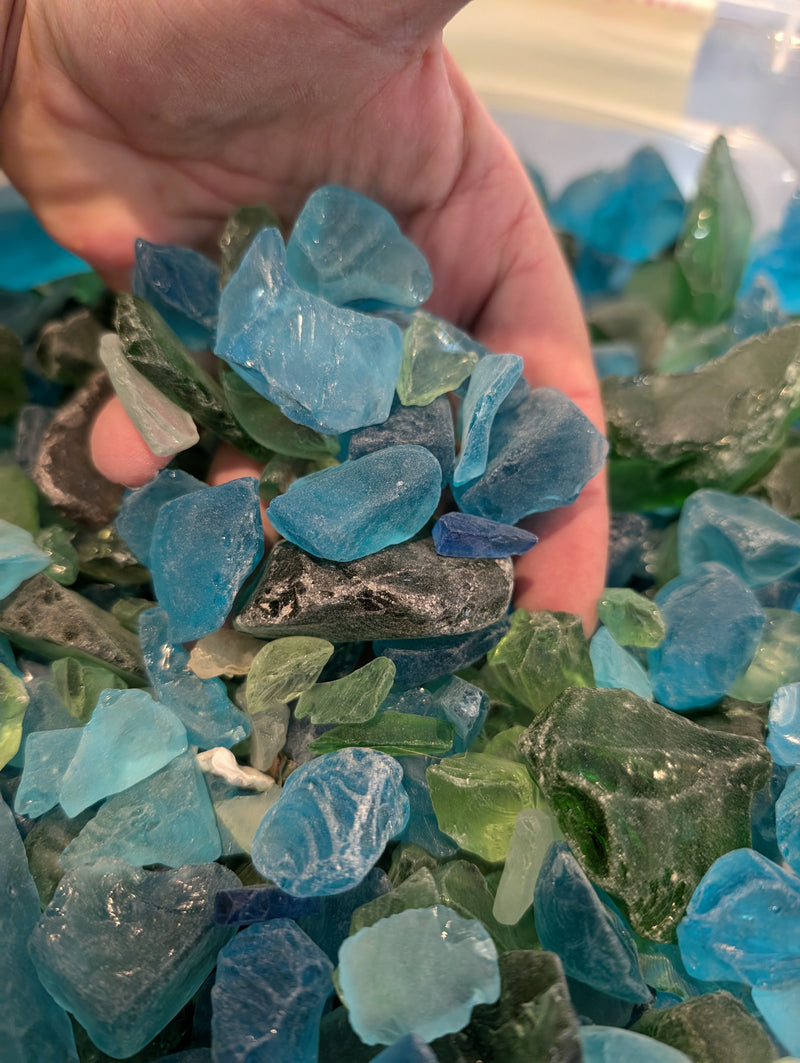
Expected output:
(505, 744)
(437, 358)
(268, 734)
(104, 556)
(632, 619)
(238, 819)
(400, 734)
(534, 831)
(19, 499)
(476, 798)
(352, 699)
(57, 542)
(126, 612)
(79, 685)
(283, 669)
(776, 662)
(660, 285)
(713, 244)
(417, 891)
(13, 702)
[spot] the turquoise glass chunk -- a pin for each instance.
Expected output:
(349, 249)
(326, 367)
(20, 557)
(129, 737)
(409, 1049)
(616, 668)
(333, 819)
(714, 624)
(205, 544)
(361, 506)
(455, 967)
(783, 739)
(183, 286)
(780, 1008)
(777, 256)
(48, 754)
(607, 1044)
(743, 923)
(489, 384)
(787, 822)
(137, 514)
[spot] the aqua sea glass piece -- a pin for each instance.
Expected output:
(465, 535)
(607, 1044)
(615, 359)
(271, 985)
(421, 660)
(329, 368)
(183, 286)
(255, 904)
(614, 667)
(489, 384)
(534, 831)
(456, 968)
(361, 506)
(410, 1048)
(352, 699)
(783, 739)
(333, 819)
(48, 754)
(222, 540)
(349, 249)
(45, 711)
(631, 618)
(422, 828)
(437, 358)
(777, 256)
(775, 662)
(743, 923)
(20, 557)
(464, 705)
(14, 700)
(780, 1008)
(124, 949)
(714, 624)
(429, 426)
(787, 822)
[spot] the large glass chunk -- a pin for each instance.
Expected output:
(489, 384)
(137, 514)
(20, 557)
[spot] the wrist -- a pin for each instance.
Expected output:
(11, 15)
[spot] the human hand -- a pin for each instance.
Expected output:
(131, 120)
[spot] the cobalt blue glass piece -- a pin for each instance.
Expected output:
(137, 514)
(330, 926)
(256, 904)
(409, 1049)
(349, 249)
(271, 986)
(205, 545)
(780, 1008)
(541, 454)
(359, 507)
(714, 624)
(429, 426)
(783, 739)
(777, 256)
(20, 557)
(615, 667)
(590, 939)
(326, 367)
(183, 286)
(423, 828)
(331, 823)
(489, 384)
(615, 359)
(47, 756)
(607, 1044)
(743, 923)
(458, 534)
(755, 541)
(787, 823)
(202, 705)
(418, 661)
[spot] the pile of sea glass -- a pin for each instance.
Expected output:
(338, 800)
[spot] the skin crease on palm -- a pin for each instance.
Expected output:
(155, 120)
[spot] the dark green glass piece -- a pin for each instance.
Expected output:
(19, 500)
(241, 227)
(64, 564)
(400, 734)
(13, 393)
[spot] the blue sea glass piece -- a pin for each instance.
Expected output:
(409, 1049)
(125, 949)
(615, 359)
(418, 661)
(783, 739)
(129, 737)
(202, 705)
(47, 756)
(423, 828)
(455, 967)
(349, 249)
(166, 819)
(492, 379)
(20, 557)
(205, 544)
(743, 923)
(607, 1044)
(329, 368)
(333, 819)
(271, 985)
(755, 541)
(541, 454)
(787, 823)
(777, 256)
(714, 624)
(429, 426)
(358, 508)
(781, 1008)
(183, 286)
(330, 926)
(757, 309)
(137, 514)
(450, 698)
(599, 276)
(45, 712)
(591, 940)
(458, 534)
(255, 904)
(615, 667)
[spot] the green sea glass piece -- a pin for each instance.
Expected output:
(79, 685)
(437, 358)
(646, 799)
(534, 830)
(713, 244)
(632, 619)
(240, 229)
(776, 662)
(662, 287)
(13, 702)
(352, 699)
(400, 734)
(464, 888)
(19, 501)
(417, 891)
(476, 798)
(44, 844)
(13, 393)
(64, 564)
(283, 669)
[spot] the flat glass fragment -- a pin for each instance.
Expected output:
(632, 619)
(48, 754)
(20, 557)
(437, 358)
(489, 384)
(183, 286)
(465, 535)
(354, 698)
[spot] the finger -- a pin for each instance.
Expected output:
(228, 464)
(117, 449)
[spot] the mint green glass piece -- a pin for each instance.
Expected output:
(238, 819)
(400, 734)
(283, 669)
(437, 358)
(505, 744)
(417, 891)
(476, 798)
(632, 619)
(19, 499)
(776, 662)
(352, 699)
(79, 685)
(165, 427)
(57, 542)
(713, 244)
(126, 612)
(534, 830)
(13, 702)
(240, 229)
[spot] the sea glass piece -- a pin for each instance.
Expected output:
(742, 923)
(615, 668)
(19, 499)
(632, 619)
(465, 705)
(80, 685)
(714, 624)
(48, 754)
(125, 949)
(776, 256)
(45, 712)
(64, 563)
(534, 831)
(422, 830)
(329, 368)
(419, 890)
(787, 822)
(271, 985)
(352, 699)
(464, 888)
(361, 506)
(615, 359)
(629, 781)
(240, 230)
(330, 926)
(255, 904)
(224, 652)
(412, 593)
(465, 535)
(222, 540)
(14, 700)
(333, 819)
(399, 734)
(182, 285)
(437, 358)
(429, 426)
(489, 384)
(238, 819)
(34, 1026)
(590, 939)
(349, 249)
(780, 1008)
(284, 669)
(607, 1044)
(456, 965)
(775, 662)
(129, 737)
(411, 1048)
(783, 739)
(20, 557)
(420, 660)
